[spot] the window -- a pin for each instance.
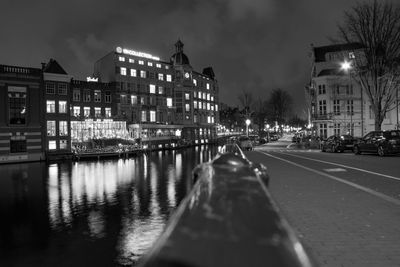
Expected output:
(17, 102)
(216, 107)
(50, 106)
(195, 118)
(212, 108)
(169, 78)
(208, 119)
(142, 74)
(208, 86)
(350, 107)
(195, 104)
(195, 82)
(141, 62)
(97, 112)
(187, 107)
(349, 89)
(152, 116)
(200, 105)
(133, 99)
(86, 112)
(123, 71)
(107, 97)
(150, 64)
(323, 130)
(212, 119)
(97, 96)
(131, 60)
(152, 89)
(194, 94)
(63, 128)
(52, 145)
(50, 88)
(161, 77)
(51, 128)
(322, 107)
(77, 111)
(108, 112)
(187, 96)
(208, 106)
(336, 128)
(321, 89)
(63, 144)
(133, 73)
(142, 100)
(144, 115)
(212, 98)
(76, 95)
(169, 102)
(336, 107)
(208, 97)
(17, 145)
(122, 59)
(62, 89)
(158, 65)
(204, 96)
(86, 96)
(62, 107)
(160, 90)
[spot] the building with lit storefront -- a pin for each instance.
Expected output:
(160, 97)
(21, 114)
(94, 119)
(57, 96)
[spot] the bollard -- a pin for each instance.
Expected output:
(228, 219)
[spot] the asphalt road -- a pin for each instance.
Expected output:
(344, 207)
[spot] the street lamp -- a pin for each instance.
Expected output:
(346, 66)
(247, 126)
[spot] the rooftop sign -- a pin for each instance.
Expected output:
(135, 53)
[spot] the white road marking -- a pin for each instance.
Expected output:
(335, 170)
(359, 187)
(345, 166)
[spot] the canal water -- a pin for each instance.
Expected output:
(97, 213)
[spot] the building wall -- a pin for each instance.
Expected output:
(21, 114)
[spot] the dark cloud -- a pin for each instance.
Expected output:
(254, 45)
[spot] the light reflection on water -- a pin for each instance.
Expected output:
(104, 213)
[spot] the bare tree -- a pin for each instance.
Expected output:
(376, 26)
(246, 100)
(279, 103)
(260, 113)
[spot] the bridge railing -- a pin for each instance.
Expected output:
(228, 219)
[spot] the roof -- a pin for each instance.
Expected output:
(330, 72)
(54, 67)
(319, 52)
(209, 72)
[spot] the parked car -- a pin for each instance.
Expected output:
(274, 136)
(337, 143)
(245, 143)
(381, 142)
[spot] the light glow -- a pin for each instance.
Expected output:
(136, 53)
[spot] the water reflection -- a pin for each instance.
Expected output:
(108, 212)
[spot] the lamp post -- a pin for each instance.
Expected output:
(346, 66)
(247, 127)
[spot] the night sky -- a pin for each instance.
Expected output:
(253, 45)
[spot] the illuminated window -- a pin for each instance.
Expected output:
(195, 82)
(144, 115)
(158, 65)
(63, 128)
(166, 67)
(169, 102)
(86, 96)
(97, 96)
(52, 145)
(108, 112)
(208, 97)
(62, 89)
(187, 96)
(77, 111)
(212, 98)
(160, 90)
(187, 107)
(169, 78)
(51, 128)
(131, 60)
(142, 100)
(212, 107)
(208, 106)
(195, 104)
(51, 106)
(62, 106)
(63, 144)
(208, 86)
(216, 107)
(76, 95)
(123, 71)
(141, 62)
(212, 119)
(161, 77)
(50, 88)
(133, 73)
(107, 97)
(195, 118)
(200, 105)
(152, 89)
(208, 119)
(150, 64)
(204, 96)
(152, 116)
(86, 112)
(97, 112)
(122, 59)
(142, 74)
(133, 99)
